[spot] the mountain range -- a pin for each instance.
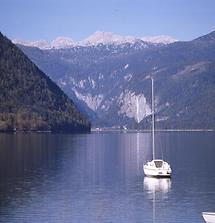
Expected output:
(98, 37)
(31, 101)
(109, 80)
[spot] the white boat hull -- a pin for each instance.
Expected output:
(209, 217)
(156, 173)
(151, 170)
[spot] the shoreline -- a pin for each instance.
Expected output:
(149, 130)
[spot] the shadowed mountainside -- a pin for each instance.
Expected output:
(29, 100)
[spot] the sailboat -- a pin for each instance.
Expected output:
(156, 167)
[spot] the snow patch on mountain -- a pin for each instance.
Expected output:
(100, 37)
(62, 42)
(133, 106)
(62, 83)
(81, 83)
(128, 77)
(58, 43)
(126, 66)
(106, 105)
(159, 39)
(93, 102)
(92, 82)
(101, 76)
(42, 44)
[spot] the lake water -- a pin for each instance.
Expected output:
(98, 177)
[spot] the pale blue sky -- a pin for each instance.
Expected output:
(48, 19)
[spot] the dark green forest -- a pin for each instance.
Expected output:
(29, 100)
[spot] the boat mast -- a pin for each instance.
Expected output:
(153, 121)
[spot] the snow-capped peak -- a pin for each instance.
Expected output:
(107, 38)
(98, 37)
(159, 39)
(63, 42)
(42, 44)
(58, 43)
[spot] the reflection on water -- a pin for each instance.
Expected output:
(56, 178)
(27, 161)
(159, 185)
(157, 190)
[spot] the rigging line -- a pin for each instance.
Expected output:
(153, 120)
(153, 124)
(162, 152)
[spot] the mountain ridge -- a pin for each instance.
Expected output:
(30, 100)
(112, 81)
(99, 37)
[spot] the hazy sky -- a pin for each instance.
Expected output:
(48, 19)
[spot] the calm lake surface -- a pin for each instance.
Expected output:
(98, 177)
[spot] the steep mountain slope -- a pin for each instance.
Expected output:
(112, 80)
(71, 68)
(29, 100)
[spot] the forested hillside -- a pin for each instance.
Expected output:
(29, 100)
